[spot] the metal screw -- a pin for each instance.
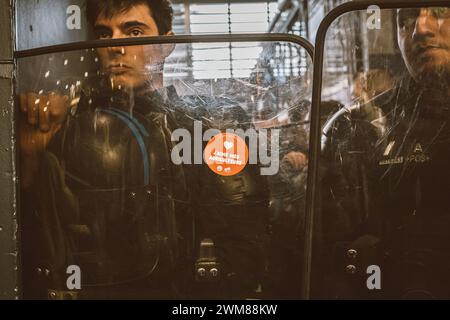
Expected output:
(39, 271)
(350, 269)
(214, 272)
(201, 272)
(352, 253)
(46, 272)
(52, 295)
(133, 194)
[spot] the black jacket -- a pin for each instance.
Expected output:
(385, 191)
(109, 200)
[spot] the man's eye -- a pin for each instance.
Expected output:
(103, 35)
(136, 33)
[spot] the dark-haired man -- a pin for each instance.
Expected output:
(125, 67)
(109, 199)
(123, 19)
(105, 196)
(385, 200)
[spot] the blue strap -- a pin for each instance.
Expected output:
(140, 141)
(141, 128)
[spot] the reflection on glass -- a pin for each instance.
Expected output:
(383, 218)
(113, 180)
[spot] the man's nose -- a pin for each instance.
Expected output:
(117, 50)
(425, 24)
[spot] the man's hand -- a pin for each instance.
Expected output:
(297, 160)
(41, 117)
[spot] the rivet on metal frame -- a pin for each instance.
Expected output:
(350, 269)
(352, 253)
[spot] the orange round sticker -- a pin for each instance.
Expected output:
(226, 154)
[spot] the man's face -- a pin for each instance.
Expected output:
(424, 40)
(132, 66)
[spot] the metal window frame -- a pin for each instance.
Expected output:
(9, 275)
(295, 11)
(315, 133)
(177, 39)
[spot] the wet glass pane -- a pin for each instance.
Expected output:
(383, 215)
(129, 189)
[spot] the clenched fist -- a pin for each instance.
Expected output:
(41, 117)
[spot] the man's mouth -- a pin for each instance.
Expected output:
(118, 68)
(420, 50)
